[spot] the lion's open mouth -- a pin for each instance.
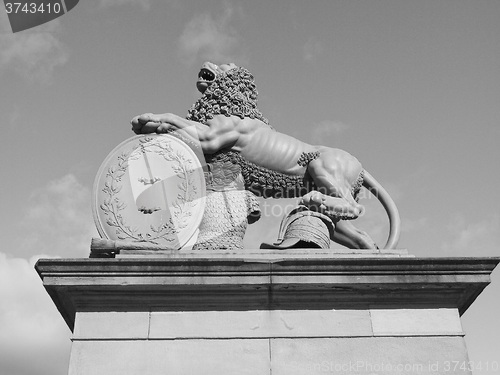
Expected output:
(206, 75)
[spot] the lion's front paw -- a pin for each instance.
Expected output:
(145, 123)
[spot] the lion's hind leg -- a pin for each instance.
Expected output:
(333, 196)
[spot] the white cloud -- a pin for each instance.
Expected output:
(479, 238)
(209, 38)
(144, 4)
(312, 49)
(33, 337)
(59, 219)
(33, 53)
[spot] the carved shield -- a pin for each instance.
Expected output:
(150, 190)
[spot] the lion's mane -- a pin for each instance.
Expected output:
(232, 93)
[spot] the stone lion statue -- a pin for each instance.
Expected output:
(231, 129)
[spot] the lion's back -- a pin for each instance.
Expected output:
(273, 150)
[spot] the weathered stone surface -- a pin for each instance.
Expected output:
(260, 324)
(382, 355)
(267, 324)
(279, 316)
(241, 284)
(179, 357)
(410, 322)
(111, 325)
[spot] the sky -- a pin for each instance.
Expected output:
(411, 88)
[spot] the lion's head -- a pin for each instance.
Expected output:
(227, 90)
(209, 72)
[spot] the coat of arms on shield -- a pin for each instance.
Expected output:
(150, 191)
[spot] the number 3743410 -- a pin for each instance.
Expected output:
(32, 8)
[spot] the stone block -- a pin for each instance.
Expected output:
(260, 324)
(409, 322)
(111, 325)
(179, 357)
(292, 316)
(375, 355)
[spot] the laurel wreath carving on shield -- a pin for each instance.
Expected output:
(181, 208)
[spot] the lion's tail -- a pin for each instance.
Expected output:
(383, 196)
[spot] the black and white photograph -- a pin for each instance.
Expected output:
(250, 187)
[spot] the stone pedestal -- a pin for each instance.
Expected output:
(294, 312)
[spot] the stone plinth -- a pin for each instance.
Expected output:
(251, 315)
